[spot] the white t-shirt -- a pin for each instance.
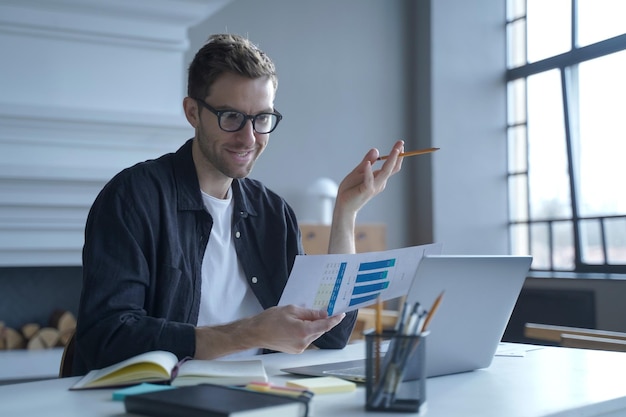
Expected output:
(225, 295)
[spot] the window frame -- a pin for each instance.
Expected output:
(567, 64)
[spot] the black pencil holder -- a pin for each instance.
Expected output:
(395, 371)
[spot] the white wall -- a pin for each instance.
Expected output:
(469, 124)
(341, 91)
(88, 88)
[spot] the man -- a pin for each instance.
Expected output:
(185, 253)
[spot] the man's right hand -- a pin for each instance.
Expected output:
(288, 329)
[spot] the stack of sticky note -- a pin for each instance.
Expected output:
(323, 384)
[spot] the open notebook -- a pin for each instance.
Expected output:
(480, 294)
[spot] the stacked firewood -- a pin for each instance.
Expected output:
(58, 332)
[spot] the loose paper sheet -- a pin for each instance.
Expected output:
(340, 283)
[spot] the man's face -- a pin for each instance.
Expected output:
(232, 154)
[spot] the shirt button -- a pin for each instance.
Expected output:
(254, 280)
(237, 235)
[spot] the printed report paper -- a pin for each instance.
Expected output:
(344, 282)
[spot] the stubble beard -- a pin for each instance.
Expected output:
(213, 159)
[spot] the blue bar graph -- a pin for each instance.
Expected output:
(376, 287)
(353, 285)
(372, 279)
(385, 263)
(336, 287)
(359, 300)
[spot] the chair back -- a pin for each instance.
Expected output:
(68, 358)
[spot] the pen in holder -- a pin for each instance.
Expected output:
(385, 386)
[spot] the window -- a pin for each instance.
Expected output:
(567, 133)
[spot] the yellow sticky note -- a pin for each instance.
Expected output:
(323, 384)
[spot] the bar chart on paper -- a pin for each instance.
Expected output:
(369, 281)
(340, 283)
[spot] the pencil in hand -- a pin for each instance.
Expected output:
(411, 153)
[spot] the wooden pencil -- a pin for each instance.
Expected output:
(411, 153)
(379, 335)
(432, 311)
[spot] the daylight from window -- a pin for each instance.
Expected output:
(567, 137)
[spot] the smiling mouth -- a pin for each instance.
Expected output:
(241, 154)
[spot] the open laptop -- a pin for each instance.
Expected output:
(480, 293)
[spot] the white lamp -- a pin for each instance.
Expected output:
(323, 193)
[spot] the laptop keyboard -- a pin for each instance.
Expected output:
(354, 373)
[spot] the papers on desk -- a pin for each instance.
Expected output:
(340, 283)
(514, 349)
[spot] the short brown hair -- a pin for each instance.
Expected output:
(227, 53)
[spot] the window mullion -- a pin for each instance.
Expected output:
(569, 88)
(574, 17)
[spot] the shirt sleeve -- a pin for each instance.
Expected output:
(338, 336)
(119, 313)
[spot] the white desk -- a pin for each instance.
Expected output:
(29, 365)
(549, 381)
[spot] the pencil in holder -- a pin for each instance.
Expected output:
(395, 380)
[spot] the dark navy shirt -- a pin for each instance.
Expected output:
(145, 239)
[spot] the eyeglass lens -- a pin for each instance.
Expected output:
(233, 120)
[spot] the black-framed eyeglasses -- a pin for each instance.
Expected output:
(232, 120)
